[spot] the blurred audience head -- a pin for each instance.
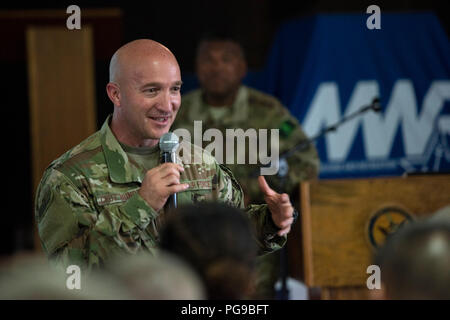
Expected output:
(126, 277)
(443, 214)
(30, 277)
(159, 277)
(415, 261)
(216, 240)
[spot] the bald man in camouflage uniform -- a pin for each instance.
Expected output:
(224, 103)
(106, 196)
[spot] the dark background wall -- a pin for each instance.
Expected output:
(178, 25)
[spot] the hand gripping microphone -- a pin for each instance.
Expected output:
(168, 144)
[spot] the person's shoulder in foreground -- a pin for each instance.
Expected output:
(415, 261)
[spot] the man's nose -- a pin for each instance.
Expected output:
(218, 65)
(165, 102)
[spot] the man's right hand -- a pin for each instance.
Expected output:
(161, 182)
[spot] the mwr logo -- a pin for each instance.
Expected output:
(424, 131)
(384, 223)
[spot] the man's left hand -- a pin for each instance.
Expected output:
(279, 205)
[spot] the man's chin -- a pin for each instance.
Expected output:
(156, 129)
(158, 133)
(219, 93)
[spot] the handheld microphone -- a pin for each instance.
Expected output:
(168, 144)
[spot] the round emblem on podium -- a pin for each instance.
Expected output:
(384, 222)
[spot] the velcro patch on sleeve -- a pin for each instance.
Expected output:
(198, 184)
(112, 198)
(286, 128)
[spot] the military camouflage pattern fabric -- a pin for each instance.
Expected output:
(88, 208)
(253, 109)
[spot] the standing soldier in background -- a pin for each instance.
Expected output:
(224, 103)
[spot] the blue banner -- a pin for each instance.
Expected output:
(328, 66)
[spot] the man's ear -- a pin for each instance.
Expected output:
(113, 91)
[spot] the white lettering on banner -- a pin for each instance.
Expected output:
(378, 130)
(325, 111)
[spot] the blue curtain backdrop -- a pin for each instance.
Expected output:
(327, 66)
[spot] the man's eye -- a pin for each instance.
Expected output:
(176, 88)
(151, 90)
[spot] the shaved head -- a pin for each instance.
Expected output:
(144, 86)
(130, 54)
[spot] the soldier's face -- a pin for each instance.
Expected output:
(220, 67)
(150, 99)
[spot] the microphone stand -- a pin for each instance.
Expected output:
(283, 170)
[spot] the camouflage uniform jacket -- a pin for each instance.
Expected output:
(254, 109)
(88, 207)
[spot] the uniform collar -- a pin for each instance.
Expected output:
(120, 169)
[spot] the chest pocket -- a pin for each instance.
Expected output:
(197, 185)
(198, 191)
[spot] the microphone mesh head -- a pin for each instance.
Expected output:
(168, 142)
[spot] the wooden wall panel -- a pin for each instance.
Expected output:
(61, 87)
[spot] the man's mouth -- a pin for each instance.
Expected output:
(159, 119)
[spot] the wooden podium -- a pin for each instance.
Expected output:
(344, 221)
